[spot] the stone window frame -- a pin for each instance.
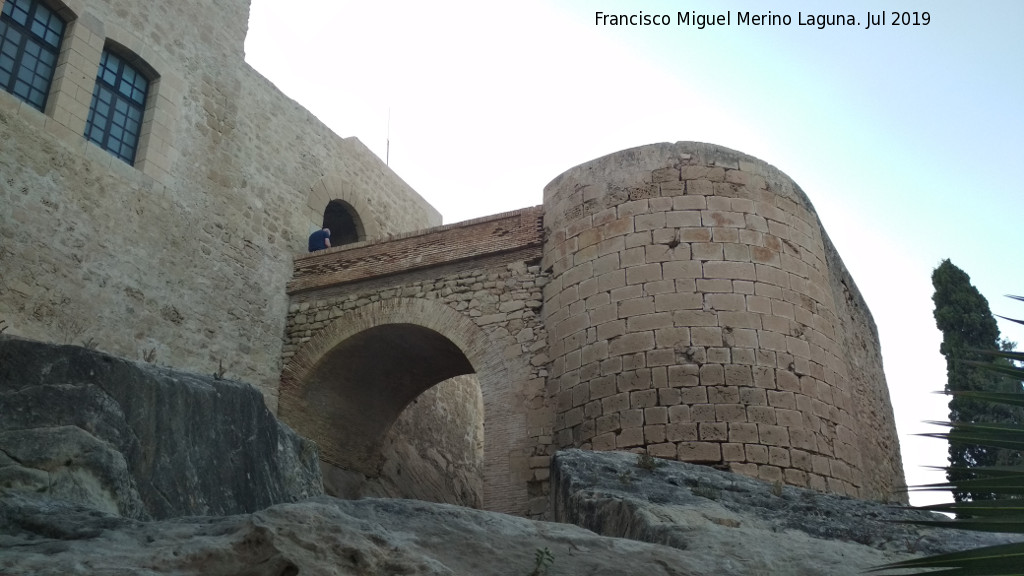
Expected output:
(67, 105)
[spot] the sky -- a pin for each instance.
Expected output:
(907, 139)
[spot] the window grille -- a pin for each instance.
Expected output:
(118, 103)
(30, 37)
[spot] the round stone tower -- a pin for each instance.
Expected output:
(698, 311)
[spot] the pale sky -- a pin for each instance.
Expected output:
(907, 139)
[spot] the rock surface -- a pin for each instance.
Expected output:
(732, 524)
(142, 441)
(318, 536)
(100, 458)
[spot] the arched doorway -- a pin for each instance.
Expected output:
(406, 346)
(344, 223)
(402, 416)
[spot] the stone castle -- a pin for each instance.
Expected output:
(680, 300)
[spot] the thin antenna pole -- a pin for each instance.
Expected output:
(387, 152)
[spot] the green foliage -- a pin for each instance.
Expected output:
(971, 345)
(543, 559)
(1003, 511)
(647, 462)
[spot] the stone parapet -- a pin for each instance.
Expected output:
(439, 246)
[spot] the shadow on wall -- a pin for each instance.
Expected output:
(433, 452)
(399, 413)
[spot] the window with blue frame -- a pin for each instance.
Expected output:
(30, 37)
(118, 103)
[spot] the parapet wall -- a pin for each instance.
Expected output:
(692, 314)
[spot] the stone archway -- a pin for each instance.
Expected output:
(334, 190)
(347, 385)
(344, 223)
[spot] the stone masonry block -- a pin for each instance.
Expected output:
(672, 302)
(702, 413)
(726, 236)
(701, 235)
(642, 274)
(604, 441)
(773, 435)
(638, 323)
(738, 375)
(682, 269)
(778, 456)
(757, 453)
(697, 395)
(631, 418)
(712, 375)
(743, 432)
(733, 452)
(632, 343)
(665, 450)
(753, 396)
(723, 395)
(679, 413)
(681, 431)
(707, 251)
(769, 473)
(713, 431)
(699, 452)
(654, 434)
(730, 413)
(643, 398)
(690, 202)
(732, 270)
(684, 374)
(668, 397)
(745, 469)
(761, 414)
(706, 285)
(630, 437)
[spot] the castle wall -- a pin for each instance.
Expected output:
(692, 314)
(182, 259)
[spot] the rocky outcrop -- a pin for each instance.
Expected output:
(319, 536)
(732, 524)
(141, 441)
(100, 459)
(681, 520)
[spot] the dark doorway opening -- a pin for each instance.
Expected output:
(343, 222)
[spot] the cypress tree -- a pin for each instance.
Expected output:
(968, 328)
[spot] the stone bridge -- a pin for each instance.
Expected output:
(400, 350)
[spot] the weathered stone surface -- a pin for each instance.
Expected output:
(192, 246)
(318, 536)
(726, 523)
(727, 270)
(433, 452)
(139, 440)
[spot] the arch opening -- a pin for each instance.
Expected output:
(344, 222)
(402, 415)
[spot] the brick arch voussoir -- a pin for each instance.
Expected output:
(335, 187)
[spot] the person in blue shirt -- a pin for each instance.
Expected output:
(320, 240)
